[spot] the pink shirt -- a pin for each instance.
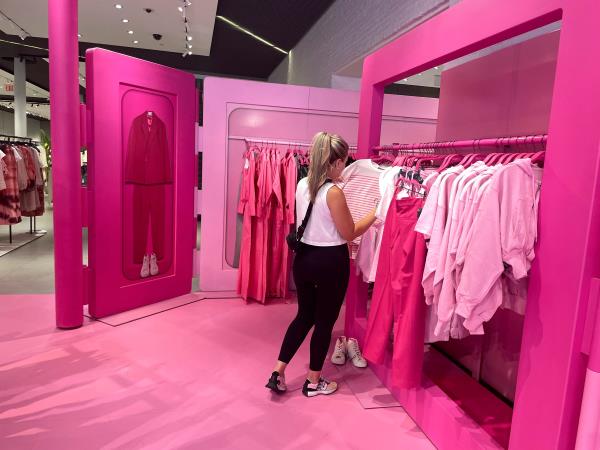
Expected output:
(503, 232)
(435, 208)
(443, 290)
(361, 187)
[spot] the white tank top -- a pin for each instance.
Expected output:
(320, 231)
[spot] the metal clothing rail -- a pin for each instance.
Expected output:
(526, 142)
(9, 138)
(261, 140)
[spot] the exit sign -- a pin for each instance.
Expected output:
(9, 87)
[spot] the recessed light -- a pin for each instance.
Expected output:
(125, 20)
(136, 42)
(180, 9)
(130, 31)
(437, 68)
(118, 6)
(189, 38)
(189, 46)
(406, 79)
(190, 52)
(78, 35)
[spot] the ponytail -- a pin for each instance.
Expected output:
(325, 150)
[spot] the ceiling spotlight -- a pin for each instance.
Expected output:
(189, 52)
(136, 42)
(188, 3)
(437, 68)
(118, 6)
(189, 46)
(130, 32)
(78, 35)
(189, 38)
(180, 8)
(406, 79)
(125, 20)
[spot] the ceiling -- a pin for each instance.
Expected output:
(230, 52)
(102, 22)
(33, 93)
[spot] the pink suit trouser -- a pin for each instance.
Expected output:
(148, 208)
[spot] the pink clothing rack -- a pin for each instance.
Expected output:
(525, 142)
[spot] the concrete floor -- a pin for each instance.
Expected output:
(29, 269)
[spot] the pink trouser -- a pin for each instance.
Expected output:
(398, 301)
(148, 208)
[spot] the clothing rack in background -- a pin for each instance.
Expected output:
(6, 138)
(528, 143)
(10, 139)
(260, 140)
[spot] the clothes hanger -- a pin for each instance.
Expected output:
(488, 159)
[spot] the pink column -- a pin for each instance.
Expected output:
(66, 170)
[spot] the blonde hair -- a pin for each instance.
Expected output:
(325, 150)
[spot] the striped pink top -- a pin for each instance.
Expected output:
(360, 183)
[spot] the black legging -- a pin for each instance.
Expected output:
(321, 275)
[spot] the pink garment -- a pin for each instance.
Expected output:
(246, 278)
(148, 213)
(398, 298)
(268, 186)
(368, 251)
(504, 232)
(443, 289)
(2, 170)
(290, 175)
(367, 256)
(148, 160)
(361, 187)
(435, 228)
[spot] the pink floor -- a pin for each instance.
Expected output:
(191, 377)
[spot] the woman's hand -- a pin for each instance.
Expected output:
(336, 200)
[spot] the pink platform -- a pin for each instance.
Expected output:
(237, 108)
(552, 366)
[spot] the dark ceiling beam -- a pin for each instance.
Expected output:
(30, 100)
(233, 53)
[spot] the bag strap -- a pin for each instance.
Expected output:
(302, 226)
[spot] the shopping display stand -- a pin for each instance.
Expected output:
(552, 363)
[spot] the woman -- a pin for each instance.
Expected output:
(322, 265)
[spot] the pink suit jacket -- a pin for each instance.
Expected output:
(148, 159)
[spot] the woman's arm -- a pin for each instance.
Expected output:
(336, 200)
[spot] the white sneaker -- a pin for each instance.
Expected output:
(355, 354)
(339, 353)
(153, 265)
(322, 387)
(145, 272)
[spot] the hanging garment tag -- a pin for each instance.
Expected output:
(246, 164)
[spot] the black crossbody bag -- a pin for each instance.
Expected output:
(293, 239)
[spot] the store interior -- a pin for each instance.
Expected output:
(150, 153)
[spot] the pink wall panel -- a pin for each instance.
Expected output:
(282, 112)
(506, 93)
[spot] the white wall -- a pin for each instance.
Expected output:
(348, 30)
(7, 125)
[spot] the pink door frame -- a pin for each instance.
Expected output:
(222, 98)
(552, 366)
